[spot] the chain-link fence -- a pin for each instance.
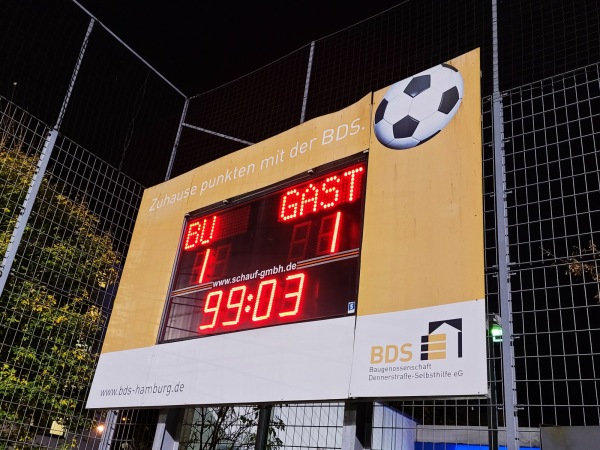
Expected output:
(107, 125)
(84, 125)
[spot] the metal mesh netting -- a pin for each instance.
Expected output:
(120, 109)
(554, 197)
(59, 294)
(117, 134)
(342, 68)
(69, 254)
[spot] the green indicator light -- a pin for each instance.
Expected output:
(496, 332)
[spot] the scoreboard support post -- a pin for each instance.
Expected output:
(262, 429)
(358, 425)
(165, 436)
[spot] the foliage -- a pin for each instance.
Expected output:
(582, 263)
(228, 428)
(49, 322)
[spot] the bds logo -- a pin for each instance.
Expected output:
(443, 340)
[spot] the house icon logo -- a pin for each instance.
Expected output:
(443, 341)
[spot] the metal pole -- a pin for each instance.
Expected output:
(307, 83)
(262, 429)
(120, 41)
(165, 437)
(176, 143)
(109, 430)
(36, 180)
(358, 425)
(349, 430)
(493, 401)
(504, 284)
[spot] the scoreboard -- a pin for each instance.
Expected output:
(286, 254)
(325, 263)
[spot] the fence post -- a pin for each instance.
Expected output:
(504, 284)
(358, 424)
(262, 432)
(177, 137)
(36, 180)
(109, 430)
(307, 82)
(165, 437)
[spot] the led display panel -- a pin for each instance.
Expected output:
(282, 255)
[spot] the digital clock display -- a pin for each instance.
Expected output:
(286, 254)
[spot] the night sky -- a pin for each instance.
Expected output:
(200, 45)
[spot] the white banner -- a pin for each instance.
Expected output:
(299, 362)
(435, 351)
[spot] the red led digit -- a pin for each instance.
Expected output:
(219, 260)
(336, 229)
(240, 292)
(331, 191)
(272, 284)
(299, 241)
(211, 309)
(294, 294)
(309, 196)
(336, 232)
(352, 188)
(199, 232)
(329, 230)
(204, 263)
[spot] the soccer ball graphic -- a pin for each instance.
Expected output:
(417, 108)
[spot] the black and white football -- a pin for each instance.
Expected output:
(415, 109)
